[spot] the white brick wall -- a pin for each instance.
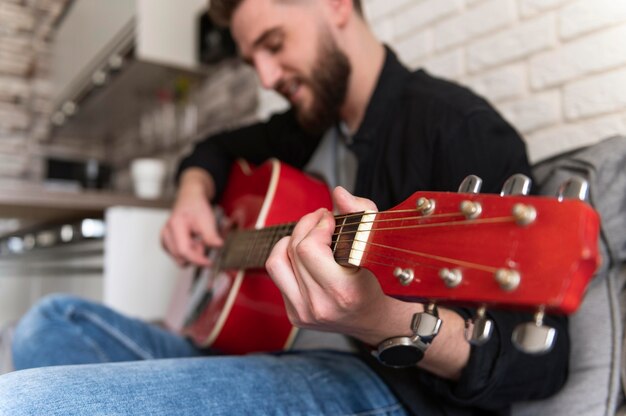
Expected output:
(555, 68)
(535, 111)
(579, 58)
(422, 13)
(583, 16)
(530, 8)
(501, 83)
(603, 93)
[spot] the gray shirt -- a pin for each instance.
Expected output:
(334, 163)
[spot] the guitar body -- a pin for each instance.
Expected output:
(244, 310)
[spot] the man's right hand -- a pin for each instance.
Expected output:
(192, 227)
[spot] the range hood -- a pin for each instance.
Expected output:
(108, 52)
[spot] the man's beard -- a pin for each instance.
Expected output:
(329, 85)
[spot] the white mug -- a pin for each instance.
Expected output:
(148, 176)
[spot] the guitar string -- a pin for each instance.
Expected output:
(242, 240)
(392, 261)
(493, 220)
(378, 219)
(457, 262)
(389, 213)
(416, 278)
(361, 214)
(443, 224)
(397, 211)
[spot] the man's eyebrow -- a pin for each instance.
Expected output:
(264, 36)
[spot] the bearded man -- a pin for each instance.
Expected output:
(365, 122)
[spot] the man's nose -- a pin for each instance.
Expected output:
(269, 71)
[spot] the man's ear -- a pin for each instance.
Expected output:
(340, 11)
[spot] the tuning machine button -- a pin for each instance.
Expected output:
(404, 276)
(574, 188)
(425, 206)
(426, 324)
(508, 279)
(471, 185)
(524, 214)
(534, 337)
(451, 277)
(517, 184)
(478, 329)
(471, 209)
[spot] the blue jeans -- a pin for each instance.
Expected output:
(130, 367)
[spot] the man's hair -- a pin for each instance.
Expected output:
(221, 11)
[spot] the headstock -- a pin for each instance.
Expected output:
(508, 251)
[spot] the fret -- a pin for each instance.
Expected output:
(337, 234)
(259, 249)
(258, 241)
(226, 249)
(268, 243)
(247, 249)
(275, 238)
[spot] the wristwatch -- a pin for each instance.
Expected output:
(407, 351)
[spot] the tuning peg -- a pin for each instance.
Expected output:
(534, 337)
(574, 188)
(426, 324)
(471, 185)
(517, 184)
(478, 329)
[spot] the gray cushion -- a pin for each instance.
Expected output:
(593, 386)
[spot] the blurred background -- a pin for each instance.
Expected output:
(100, 98)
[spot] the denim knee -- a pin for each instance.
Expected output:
(30, 330)
(48, 308)
(20, 392)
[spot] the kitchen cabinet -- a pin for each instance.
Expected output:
(107, 53)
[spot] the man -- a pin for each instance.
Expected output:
(405, 131)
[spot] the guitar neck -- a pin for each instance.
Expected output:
(483, 249)
(249, 249)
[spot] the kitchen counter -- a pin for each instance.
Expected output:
(36, 204)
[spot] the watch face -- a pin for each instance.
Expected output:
(401, 355)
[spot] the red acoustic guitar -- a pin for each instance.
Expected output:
(517, 252)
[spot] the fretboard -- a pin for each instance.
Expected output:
(249, 249)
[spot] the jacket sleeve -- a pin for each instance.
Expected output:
(280, 137)
(498, 374)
